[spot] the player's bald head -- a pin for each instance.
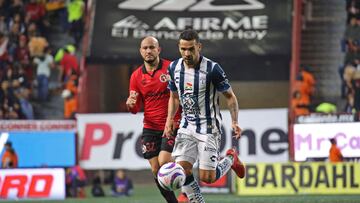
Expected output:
(150, 50)
(150, 40)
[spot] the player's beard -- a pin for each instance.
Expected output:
(150, 60)
(189, 61)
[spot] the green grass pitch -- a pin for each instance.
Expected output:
(150, 194)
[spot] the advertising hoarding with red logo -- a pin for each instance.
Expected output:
(111, 141)
(32, 183)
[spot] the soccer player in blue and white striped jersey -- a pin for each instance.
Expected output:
(195, 84)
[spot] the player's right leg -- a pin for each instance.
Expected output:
(185, 153)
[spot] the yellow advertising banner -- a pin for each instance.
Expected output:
(300, 178)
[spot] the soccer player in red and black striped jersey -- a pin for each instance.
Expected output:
(148, 87)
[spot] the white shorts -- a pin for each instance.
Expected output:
(190, 146)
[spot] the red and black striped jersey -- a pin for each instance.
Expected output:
(150, 88)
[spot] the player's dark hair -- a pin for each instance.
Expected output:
(189, 35)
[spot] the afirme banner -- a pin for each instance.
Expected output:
(41, 183)
(110, 141)
(228, 30)
(312, 140)
(300, 178)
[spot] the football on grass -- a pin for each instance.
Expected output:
(171, 176)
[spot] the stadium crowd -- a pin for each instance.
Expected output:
(27, 58)
(350, 70)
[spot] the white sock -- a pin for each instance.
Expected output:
(223, 166)
(192, 190)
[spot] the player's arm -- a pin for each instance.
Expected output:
(133, 101)
(233, 107)
(173, 106)
(221, 83)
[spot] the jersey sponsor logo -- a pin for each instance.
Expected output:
(210, 149)
(213, 158)
(148, 147)
(189, 5)
(190, 108)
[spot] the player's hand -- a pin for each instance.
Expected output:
(236, 129)
(131, 100)
(169, 128)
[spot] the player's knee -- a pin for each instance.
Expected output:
(162, 162)
(207, 178)
(188, 171)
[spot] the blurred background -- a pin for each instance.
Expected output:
(65, 65)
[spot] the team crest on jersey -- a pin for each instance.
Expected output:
(188, 86)
(164, 77)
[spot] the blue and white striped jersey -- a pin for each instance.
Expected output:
(198, 90)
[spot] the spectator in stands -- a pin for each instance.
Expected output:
(16, 7)
(13, 42)
(3, 51)
(352, 8)
(96, 189)
(4, 7)
(335, 154)
(352, 33)
(37, 46)
(326, 107)
(348, 75)
(356, 86)
(26, 107)
(308, 79)
(70, 104)
(122, 185)
(76, 9)
(300, 104)
(35, 12)
(10, 158)
(305, 91)
(22, 56)
(8, 100)
(44, 64)
(68, 63)
(32, 31)
(3, 25)
(75, 181)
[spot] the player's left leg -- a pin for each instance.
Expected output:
(211, 169)
(152, 144)
(167, 145)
